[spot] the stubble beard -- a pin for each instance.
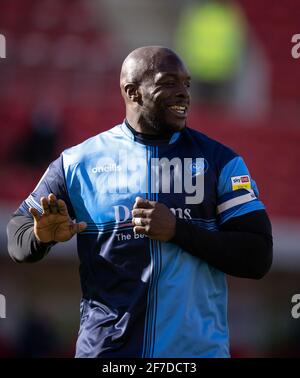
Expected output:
(156, 122)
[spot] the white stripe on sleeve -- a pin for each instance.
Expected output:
(236, 201)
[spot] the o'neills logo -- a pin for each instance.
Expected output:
(107, 168)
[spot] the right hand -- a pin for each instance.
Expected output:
(55, 224)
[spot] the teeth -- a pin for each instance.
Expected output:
(178, 108)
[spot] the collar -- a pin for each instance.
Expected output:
(147, 138)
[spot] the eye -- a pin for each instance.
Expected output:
(187, 84)
(169, 83)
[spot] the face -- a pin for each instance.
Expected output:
(165, 96)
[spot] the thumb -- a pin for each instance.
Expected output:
(78, 227)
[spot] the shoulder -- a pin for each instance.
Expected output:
(215, 151)
(90, 147)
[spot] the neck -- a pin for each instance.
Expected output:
(143, 128)
(147, 135)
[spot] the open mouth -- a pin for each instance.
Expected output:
(179, 110)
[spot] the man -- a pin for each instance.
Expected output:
(162, 212)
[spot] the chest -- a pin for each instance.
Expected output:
(103, 188)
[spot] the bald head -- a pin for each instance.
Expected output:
(145, 61)
(154, 84)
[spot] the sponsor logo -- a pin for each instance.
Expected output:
(182, 213)
(240, 182)
(122, 213)
(245, 179)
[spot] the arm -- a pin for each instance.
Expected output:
(31, 238)
(242, 247)
(22, 245)
(42, 220)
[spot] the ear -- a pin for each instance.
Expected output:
(132, 91)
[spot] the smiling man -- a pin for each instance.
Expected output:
(162, 214)
(150, 90)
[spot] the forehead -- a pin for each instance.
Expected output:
(168, 64)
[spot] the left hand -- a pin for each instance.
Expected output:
(153, 219)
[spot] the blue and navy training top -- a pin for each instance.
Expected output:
(142, 297)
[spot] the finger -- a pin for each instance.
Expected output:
(140, 213)
(143, 203)
(45, 205)
(139, 221)
(139, 230)
(75, 228)
(53, 203)
(34, 212)
(62, 207)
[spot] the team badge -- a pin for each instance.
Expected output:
(198, 167)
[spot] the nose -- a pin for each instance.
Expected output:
(183, 92)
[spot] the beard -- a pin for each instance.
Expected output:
(156, 123)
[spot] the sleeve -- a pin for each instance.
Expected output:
(21, 242)
(22, 245)
(242, 248)
(53, 181)
(237, 191)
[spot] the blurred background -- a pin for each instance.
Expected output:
(59, 85)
